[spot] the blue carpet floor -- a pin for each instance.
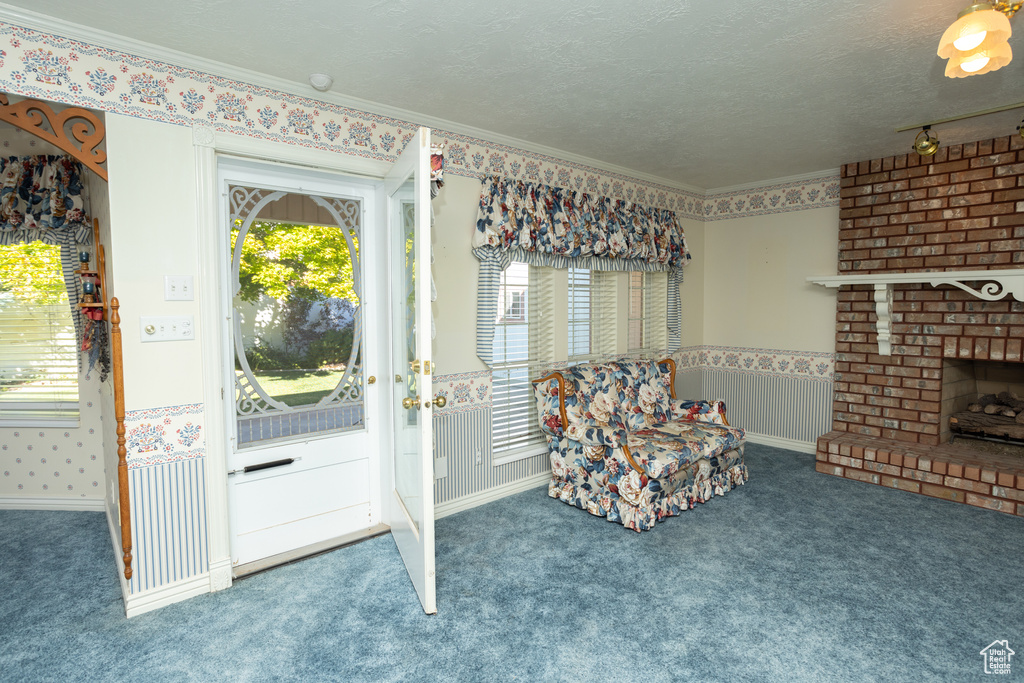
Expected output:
(794, 577)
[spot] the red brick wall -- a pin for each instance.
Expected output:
(960, 209)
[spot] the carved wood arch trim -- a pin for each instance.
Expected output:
(85, 128)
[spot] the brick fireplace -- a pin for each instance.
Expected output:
(962, 209)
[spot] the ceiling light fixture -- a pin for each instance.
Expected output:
(926, 144)
(321, 82)
(976, 42)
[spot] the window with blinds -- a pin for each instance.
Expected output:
(637, 315)
(647, 331)
(38, 356)
(519, 349)
(581, 313)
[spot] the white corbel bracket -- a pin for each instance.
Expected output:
(992, 286)
(883, 310)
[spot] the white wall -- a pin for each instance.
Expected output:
(455, 272)
(755, 292)
(152, 222)
(692, 293)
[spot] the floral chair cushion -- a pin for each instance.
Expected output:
(662, 449)
(548, 412)
(641, 393)
(593, 414)
(702, 411)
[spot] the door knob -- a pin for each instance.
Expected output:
(371, 380)
(440, 401)
(410, 403)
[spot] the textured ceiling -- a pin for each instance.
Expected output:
(700, 93)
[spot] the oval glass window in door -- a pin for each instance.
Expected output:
(297, 317)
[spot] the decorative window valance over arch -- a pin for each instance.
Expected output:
(562, 228)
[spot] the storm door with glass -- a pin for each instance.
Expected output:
(303, 460)
(412, 494)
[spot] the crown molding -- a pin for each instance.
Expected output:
(746, 187)
(47, 24)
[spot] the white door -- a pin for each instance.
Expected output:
(412, 496)
(303, 459)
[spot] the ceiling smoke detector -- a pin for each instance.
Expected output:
(321, 82)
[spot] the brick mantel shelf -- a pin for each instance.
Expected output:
(994, 285)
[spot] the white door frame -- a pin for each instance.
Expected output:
(207, 144)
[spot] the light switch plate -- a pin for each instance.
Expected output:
(440, 468)
(154, 328)
(178, 288)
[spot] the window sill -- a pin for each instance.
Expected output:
(73, 423)
(506, 457)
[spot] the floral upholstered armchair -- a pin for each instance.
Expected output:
(623, 447)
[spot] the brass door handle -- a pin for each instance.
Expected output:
(410, 403)
(371, 380)
(440, 401)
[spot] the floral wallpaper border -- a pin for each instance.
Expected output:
(463, 391)
(38, 64)
(814, 365)
(795, 195)
(161, 435)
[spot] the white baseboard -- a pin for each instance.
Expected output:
(115, 539)
(141, 603)
(78, 504)
(497, 493)
(220, 575)
(778, 442)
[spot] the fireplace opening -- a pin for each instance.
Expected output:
(983, 401)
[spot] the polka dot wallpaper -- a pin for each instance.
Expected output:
(56, 462)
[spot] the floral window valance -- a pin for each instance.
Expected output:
(561, 228)
(563, 223)
(41, 199)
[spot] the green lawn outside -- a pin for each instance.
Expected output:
(299, 387)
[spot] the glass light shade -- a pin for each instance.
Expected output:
(979, 27)
(965, 43)
(973, 64)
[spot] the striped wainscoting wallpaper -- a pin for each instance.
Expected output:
(169, 541)
(167, 488)
(780, 407)
(769, 392)
(459, 437)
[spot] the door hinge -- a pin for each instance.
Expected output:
(222, 393)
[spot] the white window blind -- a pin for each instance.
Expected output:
(522, 343)
(581, 314)
(38, 356)
(637, 315)
(647, 332)
(656, 316)
(606, 319)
